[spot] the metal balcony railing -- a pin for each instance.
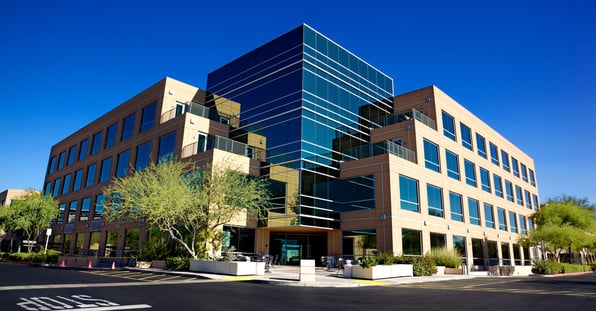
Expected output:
(370, 150)
(225, 144)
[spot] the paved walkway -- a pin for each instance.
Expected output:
(290, 276)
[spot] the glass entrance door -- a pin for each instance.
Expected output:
(288, 249)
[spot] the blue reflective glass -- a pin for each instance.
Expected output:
(96, 143)
(513, 222)
(448, 126)
(52, 165)
(90, 175)
(106, 168)
(509, 190)
(166, 147)
(78, 180)
(123, 163)
(143, 156)
(498, 185)
(66, 186)
(62, 159)
(84, 149)
(474, 210)
(489, 216)
(470, 171)
(455, 205)
(466, 136)
(452, 164)
(408, 194)
(435, 200)
(518, 195)
(481, 145)
(111, 135)
(128, 127)
(485, 180)
(431, 156)
(148, 117)
(494, 154)
(502, 220)
(72, 155)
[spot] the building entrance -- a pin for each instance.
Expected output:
(289, 248)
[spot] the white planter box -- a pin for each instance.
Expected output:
(382, 271)
(440, 270)
(228, 267)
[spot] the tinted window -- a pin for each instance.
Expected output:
(84, 149)
(143, 156)
(96, 143)
(148, 117)
(122, 165)
(128, 127)
(485, 180)
(489, 216)
(452, 164)
(474, 210)
(481, 145)
(431, 156)
(448, 126)
(494, 154)
(72, 155)
(408, 189)
(106, 167)
(435, 200)
(470, 170)
(90, 175)
(466, 136)
(457, 212)
(111, 135)
(166, 147)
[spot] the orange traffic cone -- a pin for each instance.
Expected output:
(89, 265)
(113, 265)
(62, 264)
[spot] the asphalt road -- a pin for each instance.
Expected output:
(24, 287)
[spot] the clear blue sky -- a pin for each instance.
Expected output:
(527, 68)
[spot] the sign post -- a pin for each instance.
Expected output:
(48, 233)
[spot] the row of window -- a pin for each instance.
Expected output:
(69, 211)
(75, 181)
(520, 196)
(85, 149)
(412, 245)
(409, 200)
(527, 174)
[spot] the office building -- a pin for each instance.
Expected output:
(353, 169)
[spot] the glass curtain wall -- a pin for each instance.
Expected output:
(304, 99)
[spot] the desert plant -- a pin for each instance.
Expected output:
(178, 263)
(449, 258)
(385, 258)
(546, 267)
(369, 261)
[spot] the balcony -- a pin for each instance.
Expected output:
(194, 108)
(208, 142)
(402, 117)
(370, 150)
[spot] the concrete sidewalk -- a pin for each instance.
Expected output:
(290, 276)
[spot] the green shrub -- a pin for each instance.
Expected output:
(369, 261)
(422, 266)
(386, 258)
(445, 257)
(570, 268)
(178, 263)
(593, 266)
(546, 267)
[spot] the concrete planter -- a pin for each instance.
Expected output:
(228, 267)
(144, 264)
(453, 271)
(440, 270)
(382, 271)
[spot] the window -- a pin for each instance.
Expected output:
(530, 225)
(181, 108)
(513, 222)
(518, 195)
(522, 224)
(505, 159)
(452, 164)
(437, 240)
(66, 187)
(489, 216)
(128, 127)
(506, 253)
(52, 165)
(502, 219)
(448, 126)
(98, 210)
(57, 184)
(148, 117)
(485, 180)
(62, 159)
(515, 167)
(201, 142)
(408, 194)
(470, 170)
(411, 242)
(494, 154)
(498, 185)
(143, 156)
(466, 136)
(509, 190)
(90, 175)
(84, 149)
(457, 213)
(481, 145)
(96, 143)
(106, 168)
(48, 188)
(78, 180)
(72, 155)
(111, 135)
(431, 156)
(474, 211)
(532, 178)
(435, 200)
(122, 164)
(535, 202)
(166, 147)
(527, 197)
(72, 211)
(524, 172)
(60, 218)
(459, 245)
(85, 206)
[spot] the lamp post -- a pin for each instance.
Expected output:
(48, 233)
